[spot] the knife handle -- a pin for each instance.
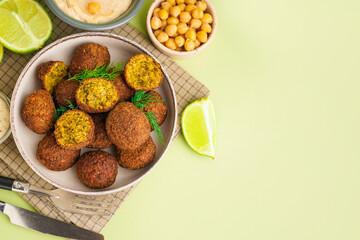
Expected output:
(6, 183)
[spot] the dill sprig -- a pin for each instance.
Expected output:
(61, 110)
(143, 99)
(153, 122)
(109, 72)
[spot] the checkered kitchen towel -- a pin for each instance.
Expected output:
(11, 164)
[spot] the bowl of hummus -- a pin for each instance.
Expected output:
(95, 15)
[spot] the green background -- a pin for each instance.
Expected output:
(284, 80)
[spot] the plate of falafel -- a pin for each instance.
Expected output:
(93, 113)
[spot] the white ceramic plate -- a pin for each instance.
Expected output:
(27, 141)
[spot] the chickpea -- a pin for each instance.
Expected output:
(171, 30)
(182, 28)
(190, 34)
(175, 11)
(197, 43)
(197, 13)
(206, 27)
(170, 43)
(166, 6)
(179, 49)
(201, 5)
(162, 37)
(179, 40)
(185, 17)
(163, 24)
(190, 1)
(202, 36)
(156, 33)
(189, 8)
(172, 2)
(180, 1)
(207, 18)
(93, 7)
(195, 23)
(155, 23)
(189, 45)
(156, 12)
(163, 14)
(182, 6)
(173, 20)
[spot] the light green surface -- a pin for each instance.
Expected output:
(284, 78)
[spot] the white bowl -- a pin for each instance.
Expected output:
(120, 49)
(180, 54)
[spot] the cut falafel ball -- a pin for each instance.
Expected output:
(89, 56)
(97, 169)
(74, 130)
(38, 111)
(137, 158)
(101, 139)
(127, 126)
(142, 72)
(158, 108)
(125, 92)
(51, 73)
(96, 95)
(54, 157)
(65, 91)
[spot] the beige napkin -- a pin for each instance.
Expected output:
(11, 164)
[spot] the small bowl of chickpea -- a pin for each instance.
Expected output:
(181, 28)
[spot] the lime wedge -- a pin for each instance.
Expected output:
(198, 126)
(24, 25)
(1, 52)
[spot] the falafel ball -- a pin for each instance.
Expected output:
(158, 108)
(137, 158)
(101, 139)
(127, 126)
(51, 73)
(125, 92)
(97, 169)
(96, 95)
(38, 111)
(65, 91)
(88, 56)
(54, 157)
(74, 130)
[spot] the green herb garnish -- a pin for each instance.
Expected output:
(153, 122)
(61, 110)
(109, 72)
(143, 99)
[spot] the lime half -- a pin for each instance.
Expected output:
(1, 52)
(198, 126)
(24, 25)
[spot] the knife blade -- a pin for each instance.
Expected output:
(43, 224)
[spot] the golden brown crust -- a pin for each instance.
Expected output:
(54, 157)
(66, 90)
(158, 108)
(137, 158)
(88, 56)
(125, 92)
(133, 81)
(44, 70)
(97, 169)
(90, 109)
(38, 111)
(101, 139)
(127, 126)
(82, 144)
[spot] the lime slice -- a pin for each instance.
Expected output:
(24, 25)
(1, 52)
(198, 126)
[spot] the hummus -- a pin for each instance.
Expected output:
(93, 11)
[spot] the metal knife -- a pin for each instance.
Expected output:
(43, 224)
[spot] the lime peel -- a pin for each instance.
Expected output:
(1, 52)
(198, 126)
